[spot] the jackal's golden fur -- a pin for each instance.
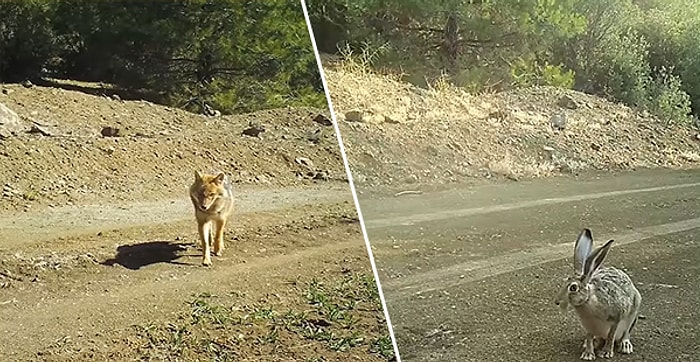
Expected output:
(212, 198)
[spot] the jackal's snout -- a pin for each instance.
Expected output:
(205, 205)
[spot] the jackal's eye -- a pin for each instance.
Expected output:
(573, 287)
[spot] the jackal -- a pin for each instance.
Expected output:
(212, 198)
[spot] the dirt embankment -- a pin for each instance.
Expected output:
(67, 160)
(395, 133)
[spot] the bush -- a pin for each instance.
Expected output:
(619, 68)
(529, 73)
(667, 99)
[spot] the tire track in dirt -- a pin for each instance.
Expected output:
(459, 213)
(75, 220)
(463, 273)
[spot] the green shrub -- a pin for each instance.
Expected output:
(667, 99)
(532, 72)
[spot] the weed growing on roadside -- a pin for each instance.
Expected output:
(337, 316)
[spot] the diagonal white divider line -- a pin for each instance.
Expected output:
(448, 214)
(352, 184)
(471, 271)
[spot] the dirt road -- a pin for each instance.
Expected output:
(470, 274)
(114, 282)
(98, 260)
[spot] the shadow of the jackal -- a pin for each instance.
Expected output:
(136, 256)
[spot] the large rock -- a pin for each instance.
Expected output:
(10, 123)
(354, 116)
(567, 102)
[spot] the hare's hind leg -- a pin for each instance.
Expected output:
(625, 343)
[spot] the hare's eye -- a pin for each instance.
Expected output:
(573, 287)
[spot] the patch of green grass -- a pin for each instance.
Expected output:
(383, 346)
(335, 316)
(30, 195)
(203, 311)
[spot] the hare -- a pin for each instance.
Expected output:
(605, 299)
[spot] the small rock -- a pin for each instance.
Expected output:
(109, 132)
(499, 114)
(410, 179)
(40, 129)
(595, 147)
(210, 111)
(303, 161)
(432, 151)
(558, 122)
(394, 119)
(375, 119)
(27, 84)
(315, 136)
(10, 122)
(253, 131)
(567, 102)
(322, 175)
(115, 97)
(8, 191)
(323, 120)
(354, 116)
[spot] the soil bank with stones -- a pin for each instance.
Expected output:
(62, 147)
(397, 134)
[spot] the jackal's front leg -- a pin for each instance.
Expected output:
(204, 237)
(219, 237)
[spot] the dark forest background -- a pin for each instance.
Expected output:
(233, 56)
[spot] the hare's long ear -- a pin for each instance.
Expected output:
(595, 260)
(582, 248)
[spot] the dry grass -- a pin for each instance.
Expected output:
(445, 134)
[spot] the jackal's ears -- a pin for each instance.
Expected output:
(220, 177)
(197, 176)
